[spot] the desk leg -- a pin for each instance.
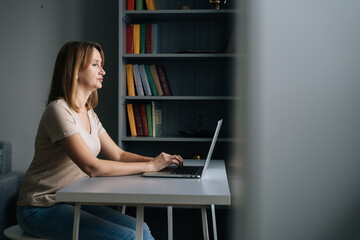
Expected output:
(123, 209)
(204, 223)
(139, 222)
(170, 222)
(214, 221)
(76, 221)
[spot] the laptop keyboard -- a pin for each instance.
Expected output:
(189, 170)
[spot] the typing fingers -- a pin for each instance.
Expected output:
(177, 159)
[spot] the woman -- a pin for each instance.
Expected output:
(69, 138)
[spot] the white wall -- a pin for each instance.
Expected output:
(32, 32)
(303, 143)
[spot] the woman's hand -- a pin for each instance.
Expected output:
(163, 160)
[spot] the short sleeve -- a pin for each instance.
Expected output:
(59, 122)
(100, 129)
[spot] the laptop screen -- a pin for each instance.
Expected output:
(212, 146)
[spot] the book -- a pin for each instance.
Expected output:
(150, 4)
(155, 43)
(144, 119)
(164, 81)
(149, 119)
(130, 4)
(139, 4)
(131, 118)
(138, 122)
(130, 80)
(136, 38)
(148, 38)
(156, 80)
(142, 37)
(151, 81)
(153, 117)
(129, 38)
(137, 80)
(144, 80)
(157, 112)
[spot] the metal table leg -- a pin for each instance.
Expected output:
(204, 223)
(139, 222)
(170, 222)
(76, 221)
(214, 221)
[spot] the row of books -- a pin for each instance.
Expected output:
(140, 5)
(142, 38)
(148, 80)
(145, 119)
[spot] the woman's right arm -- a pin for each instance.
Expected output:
(75, 147)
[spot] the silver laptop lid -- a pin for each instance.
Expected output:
(212, 146)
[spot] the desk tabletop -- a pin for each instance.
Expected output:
(212, 188)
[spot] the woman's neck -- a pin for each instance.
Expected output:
(81, 100)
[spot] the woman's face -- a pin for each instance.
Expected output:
(90, 78)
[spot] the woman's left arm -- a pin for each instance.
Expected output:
(113, 152)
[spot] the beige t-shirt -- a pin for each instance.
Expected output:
(51, 168)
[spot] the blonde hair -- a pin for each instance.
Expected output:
(72, 57)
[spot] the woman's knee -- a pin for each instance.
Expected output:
(146, 227)
(147, 232)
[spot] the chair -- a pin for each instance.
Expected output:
(16, 233)
(9, 189)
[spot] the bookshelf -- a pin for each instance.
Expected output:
(201, 82)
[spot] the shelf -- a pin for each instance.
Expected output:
(174, 139)
(178, 15)
(177, 56)
(202, 79)
(181, 98)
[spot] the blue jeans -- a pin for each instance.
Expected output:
(96, 222)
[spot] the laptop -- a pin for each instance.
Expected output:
(188, 171)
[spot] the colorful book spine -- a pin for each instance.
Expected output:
(158, 119)
(155, 44)
(137, 80)
(138, 121)
(131, 118)
(151, 80)
(129, 38)
(139, 4)
(142, 37)
(153, 117)
(130, 4)
(130, 80)
(156, 80)
(136, 38)
(144, 119)
(144, 80)
(148, 38)
(149, 119)
(164, 81)
(150, 4)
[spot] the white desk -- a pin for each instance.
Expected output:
(211, 189)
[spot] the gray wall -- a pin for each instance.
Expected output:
(303, 115)
(32, 32)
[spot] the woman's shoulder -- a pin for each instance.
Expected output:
(57, 107)
(58, 103)
(93, 115)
